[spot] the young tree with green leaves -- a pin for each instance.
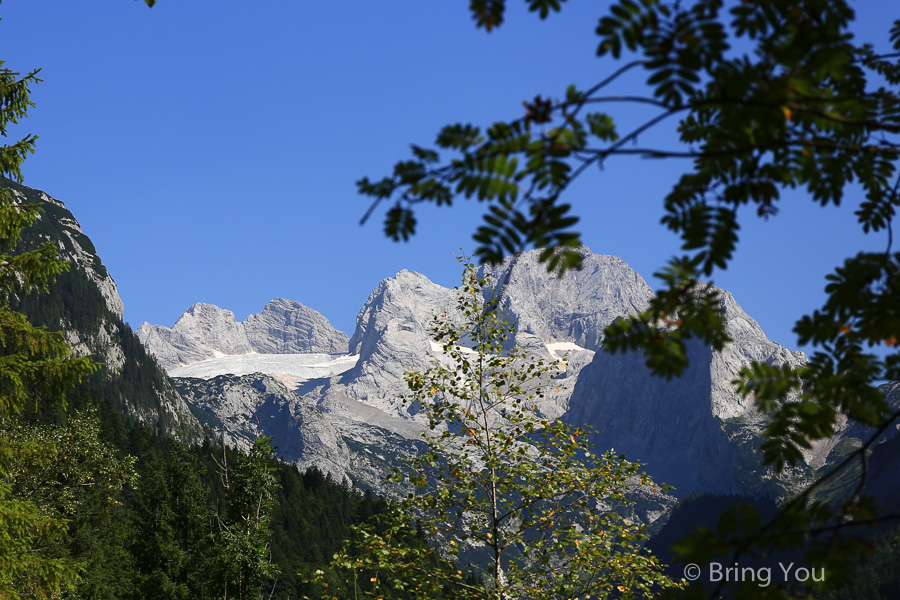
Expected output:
(519, 503)
(77, 480)
(245, 532)
(768, 96)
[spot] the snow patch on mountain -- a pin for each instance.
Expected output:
(300, 366)
(206, 331)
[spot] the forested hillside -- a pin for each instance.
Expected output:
(148, 507)
(161, 535)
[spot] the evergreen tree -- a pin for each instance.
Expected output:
(36, 366)
(174, 542)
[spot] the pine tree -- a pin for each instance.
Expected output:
(36, 366)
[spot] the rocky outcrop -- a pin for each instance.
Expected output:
(206, 331)
(557, 317)
(391, 337)
(575, 307)
(203, 331)
(695, 431)
(239, 409)
(288, 327)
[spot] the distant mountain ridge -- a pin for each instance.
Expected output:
(206, 331)
(694, 432)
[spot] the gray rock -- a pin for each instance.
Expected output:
(243, 408)
(207, 331)
(288, 327)
(695, 431)
(575, 307)
(203, 331)
(238, 409)
(391, 337)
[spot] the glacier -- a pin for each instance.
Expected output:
(298, 366)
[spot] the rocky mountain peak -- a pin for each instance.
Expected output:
(74, 246)
(402, 304)
(287, 326)
(206, 331)
(575, 307)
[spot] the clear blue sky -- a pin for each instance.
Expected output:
(210, 148)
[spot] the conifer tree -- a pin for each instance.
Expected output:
(36, 366)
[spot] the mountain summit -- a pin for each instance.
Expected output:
(206, 331)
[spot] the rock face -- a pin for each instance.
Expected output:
(288, 327)
(390, 338)
(242, 408)
(238, 409)
(207, 331)
(555, 316)
(575, 307)
(695, 431)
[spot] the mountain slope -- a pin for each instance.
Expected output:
(694, 432)
(691, 431)
(575, 307)
(85, 305)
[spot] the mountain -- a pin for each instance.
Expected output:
(206, 331)
(390, 338)
(84, 304)
(573, 308)
(695, 431)
(339, 403)
(238, 409)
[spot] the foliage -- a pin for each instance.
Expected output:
(77, 481)
(877, 575)
(79, 466)
(246, 535)
(36, 366)
(769, 97)
(174, 545)
(518, 502)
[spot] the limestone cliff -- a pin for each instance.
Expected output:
(695, 431)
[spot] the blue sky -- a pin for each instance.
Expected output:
(210, 148)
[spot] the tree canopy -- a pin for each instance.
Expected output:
(768, 97)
